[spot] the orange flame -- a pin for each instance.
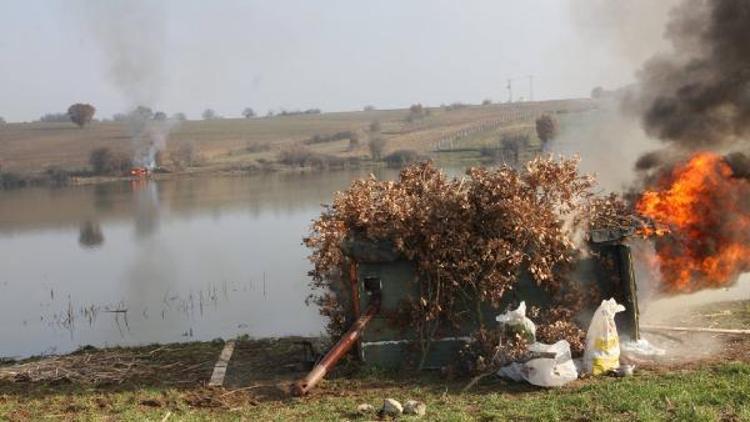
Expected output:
(707, 212)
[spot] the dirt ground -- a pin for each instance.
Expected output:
(687, 350)
(175, 376)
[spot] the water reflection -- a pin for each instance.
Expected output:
(195, 258)
(41, 209)
(103, 197)
(146, 196)
(90, 235)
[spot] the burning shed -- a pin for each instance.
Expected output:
(387, 342)
(417, 269)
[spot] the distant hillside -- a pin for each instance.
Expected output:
(32, 148)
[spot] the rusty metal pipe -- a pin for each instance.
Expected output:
(356, 311)
(303, 386)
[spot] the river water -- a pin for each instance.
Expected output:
(159, 261)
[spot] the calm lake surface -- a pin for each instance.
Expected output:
(159, 261)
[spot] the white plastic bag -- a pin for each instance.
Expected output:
(551, 372)
(602, 353)
(515, 322)
(544, 372)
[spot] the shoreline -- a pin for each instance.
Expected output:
(236, 170)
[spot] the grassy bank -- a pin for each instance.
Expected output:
(170, 381)
(714, 393)
(152, 382)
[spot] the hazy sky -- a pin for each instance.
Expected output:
(188, 55)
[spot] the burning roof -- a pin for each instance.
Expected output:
(706, 209)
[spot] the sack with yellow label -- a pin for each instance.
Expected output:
(602, 353)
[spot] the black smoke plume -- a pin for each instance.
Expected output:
(697, 97)
(696, 100)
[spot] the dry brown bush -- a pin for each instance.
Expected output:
(377, 147)
(105, 162)
(547, 128)
(469, 238)
(184, 155)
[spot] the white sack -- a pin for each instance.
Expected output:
(602, 353)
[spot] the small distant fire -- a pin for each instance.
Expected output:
(706, 212)
(140, 172)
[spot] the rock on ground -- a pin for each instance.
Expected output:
(391, 407)
(365, 408)
(413, 407)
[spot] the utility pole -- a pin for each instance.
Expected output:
(510, 90)
(510, 87)
(531, 87)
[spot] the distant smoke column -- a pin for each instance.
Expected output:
(151, 140)
(131, 35)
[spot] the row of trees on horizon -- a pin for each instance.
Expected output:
(74, 114)
(79, 114)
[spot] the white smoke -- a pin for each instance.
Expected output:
(632, 30)
(131, 36)
(608, 143)
(151, 140)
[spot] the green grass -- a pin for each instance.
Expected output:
(712, 393)
(714, 389)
